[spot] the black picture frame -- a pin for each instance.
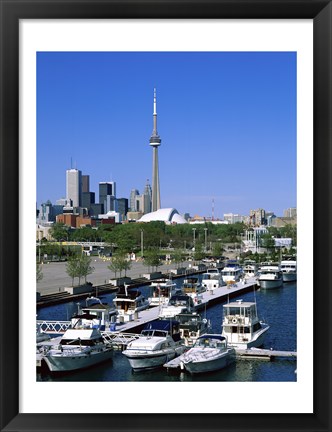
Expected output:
(14, 10)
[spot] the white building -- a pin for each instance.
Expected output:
(74, 187)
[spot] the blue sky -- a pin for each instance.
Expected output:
(227, 123)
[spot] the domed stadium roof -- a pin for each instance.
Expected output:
(167, 215)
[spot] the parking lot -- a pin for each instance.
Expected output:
(55, 276)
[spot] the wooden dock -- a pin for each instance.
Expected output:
(261, 354)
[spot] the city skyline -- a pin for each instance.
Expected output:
(228, 122)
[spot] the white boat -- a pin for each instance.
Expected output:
(212, 279)
(249, 269)
(289, 270)
(192, 326)
(241, 325)
(176, 305)
(98, 314)
(232, 272)
(78, 348)
(128, 303)
(210, 353)
(270, 277)
(158, 343)
(193, 288)
(163, 289)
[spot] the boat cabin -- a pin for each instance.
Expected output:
(82, 337)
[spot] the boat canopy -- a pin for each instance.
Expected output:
(166, 325)
(212, 336)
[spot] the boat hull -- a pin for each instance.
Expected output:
(289, 277)
(67, 363)
(211, 365)
(256, 342)
(270, 284)
(153, 360)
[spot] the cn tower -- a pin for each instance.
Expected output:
(155, 143)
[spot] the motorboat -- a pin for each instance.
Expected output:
(232, 272)
(97, 314)
(270, 277)
(212, 279)
(177, 304)
(192, 326)
(158, 343)
(162, 290)
(241, 325)
(249, 269)
(193, 288)
(210, 353)
(78, 348)
(289, 270)
(128, 303)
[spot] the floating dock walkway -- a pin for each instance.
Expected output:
(209, 298)
(253, 353)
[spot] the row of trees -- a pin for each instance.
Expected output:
(127, 237)
(79, 267)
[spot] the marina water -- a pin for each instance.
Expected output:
(277, 307)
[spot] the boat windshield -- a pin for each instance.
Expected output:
(210, 343)
(157, 333)
(243, 311)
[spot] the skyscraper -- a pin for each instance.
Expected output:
(107, 195)
(132, 200)
(155, 143)
(74, 187)
(85, 183)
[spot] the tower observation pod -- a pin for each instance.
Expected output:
(155, 142)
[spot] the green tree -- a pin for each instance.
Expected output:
(119, 263)
(59, 231)
(85, 267)
(72, 268)
(217, 250)
(198, 254)
(152, 258)
(177, 256)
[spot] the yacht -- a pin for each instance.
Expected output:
(212, 279)
(97, 314)
(176, 305)
(158, 343)
(162, 290)
(289, 271)
(78, 348)
(241, 325)
(192, 287)
(210, 353)
(232, 272)
(249, 269)
(128, 304)
(270, 277)
(192, 326)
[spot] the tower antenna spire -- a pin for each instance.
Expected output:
(155, 143)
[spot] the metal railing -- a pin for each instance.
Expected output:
(52, 327)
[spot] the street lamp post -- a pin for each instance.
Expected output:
(194, 235)
(205, 232)
(142, 242)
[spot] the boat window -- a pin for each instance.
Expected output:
(257, 326)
